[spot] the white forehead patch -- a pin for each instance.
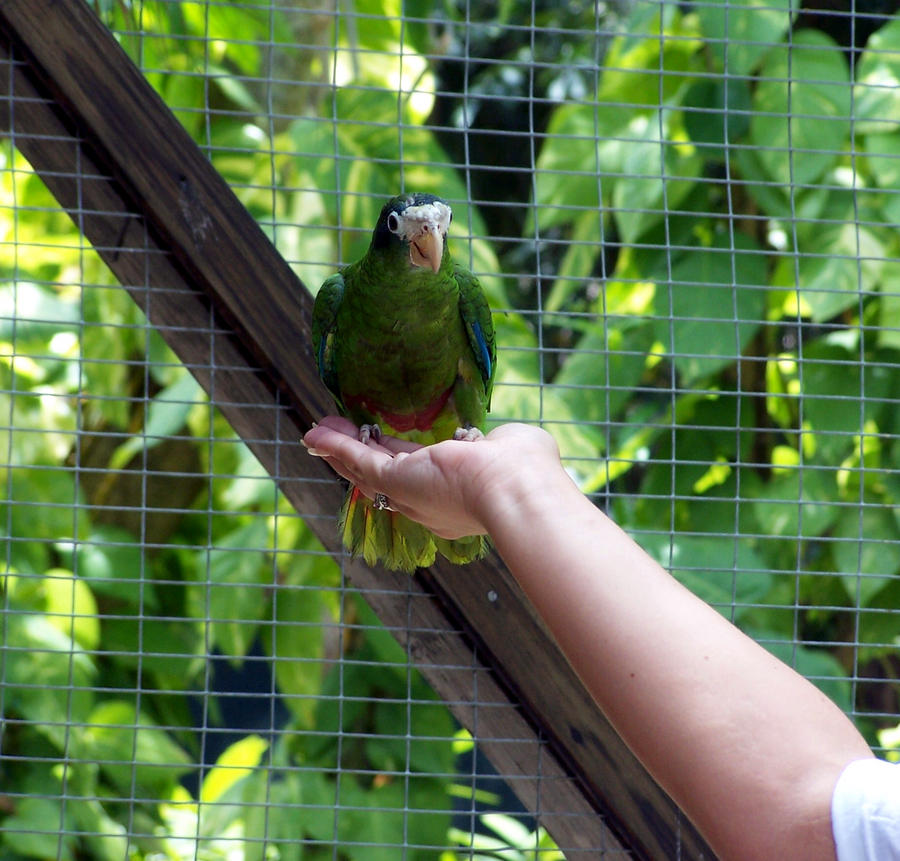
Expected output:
(436, 215)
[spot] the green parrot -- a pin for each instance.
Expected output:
(404, 341)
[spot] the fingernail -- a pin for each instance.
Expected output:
(312, 451)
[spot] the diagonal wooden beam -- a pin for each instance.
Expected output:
(207, 277)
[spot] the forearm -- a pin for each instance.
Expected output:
(747, 747)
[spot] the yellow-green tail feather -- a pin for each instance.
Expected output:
(396, 541)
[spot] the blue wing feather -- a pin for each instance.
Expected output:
(476, 314)
(485, 362)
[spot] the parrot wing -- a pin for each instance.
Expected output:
(476, 316)
(325, 310)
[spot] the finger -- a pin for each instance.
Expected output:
(390, 444)
(356, 480)
(371, 493)
(360, 460)
(317, 439)
(339, 423)
(395, 445)
(332, 432)
(320, 437)
(342, 470)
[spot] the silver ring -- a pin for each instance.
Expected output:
(380, 502)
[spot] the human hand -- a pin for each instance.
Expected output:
(453, 487)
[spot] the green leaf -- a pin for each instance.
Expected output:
(39, 829)
(273, 830)
(772, 198)
(48, 504)
(104, 838)
(166, 415)
(840, 394)
(889, 326)
(839, 267)
(879, 627)
(716, 112)
(519, 397)
(798, 503)
(660, 169)
(47, 678)
(184, 92)
(646, 66)
(578, 442)
(589, 150)
(867, 550)
(712, 433)
(235, 33)
(236, 762)
(801, 129)
(233, 88)
(513, 832)
(252, 486)
(167, 648)
(387, 650)
(832, 404)
(114, 565)
(133, 753)
(373, 822)
(717, 305)
(232, 595)
(876, 94)
(29, 312)
(336, 712)
(578, 262)
(599, 377)
(741, 32)
(71, 607)
(301, 617)
(417, 735)
(882, 157)
(583, 143)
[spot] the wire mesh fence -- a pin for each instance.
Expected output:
(684, 216)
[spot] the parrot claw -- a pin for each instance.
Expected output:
(367, 432)
(468, 434)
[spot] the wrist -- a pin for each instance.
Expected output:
(525, 499)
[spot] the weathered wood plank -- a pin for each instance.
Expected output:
(174, 187)
(205, 274)
(183, 316)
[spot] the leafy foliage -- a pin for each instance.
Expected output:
(696, 293)
(752, 243)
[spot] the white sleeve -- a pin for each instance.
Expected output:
(865, 811)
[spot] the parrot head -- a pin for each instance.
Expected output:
(415, 225)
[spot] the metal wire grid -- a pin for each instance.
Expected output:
(125, 756)
(668, 428)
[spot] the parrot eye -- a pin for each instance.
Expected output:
(393, 222)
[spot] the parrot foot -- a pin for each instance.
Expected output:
(367, 432)
(468, 434)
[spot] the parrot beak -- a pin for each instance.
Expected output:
(424, 228)
(427, 249)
